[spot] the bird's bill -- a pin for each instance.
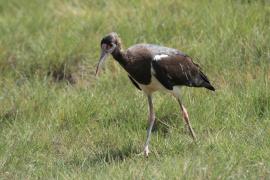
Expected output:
(103, 56)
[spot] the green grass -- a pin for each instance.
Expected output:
(58, 121)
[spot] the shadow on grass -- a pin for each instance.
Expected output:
(8, 117)
(261, 105)
(114, 155)
(164, 124)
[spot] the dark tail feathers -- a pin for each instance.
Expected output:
(206, 82)
(209, 86)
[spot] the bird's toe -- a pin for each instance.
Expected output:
(146, 151)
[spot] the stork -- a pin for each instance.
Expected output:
(152, 68)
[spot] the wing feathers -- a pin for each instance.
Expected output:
(180, 70)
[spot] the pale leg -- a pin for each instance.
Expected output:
(186, 119)
(151, 123)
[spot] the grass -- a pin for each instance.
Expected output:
(57, 121)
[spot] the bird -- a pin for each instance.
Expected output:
(152, 68)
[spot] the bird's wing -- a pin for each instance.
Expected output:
(162, 75)
(178, 70)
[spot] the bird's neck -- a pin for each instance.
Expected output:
(120, 56)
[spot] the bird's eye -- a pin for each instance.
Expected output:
(109, 46)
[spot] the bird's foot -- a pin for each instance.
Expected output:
(146, 151)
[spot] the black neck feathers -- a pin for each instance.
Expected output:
(119, 56)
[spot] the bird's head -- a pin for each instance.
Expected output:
(108, 45)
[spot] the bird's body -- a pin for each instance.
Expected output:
(163, 68)
(153, 68)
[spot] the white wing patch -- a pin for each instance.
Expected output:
(160, 56)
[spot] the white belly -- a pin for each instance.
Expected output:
(155, 85)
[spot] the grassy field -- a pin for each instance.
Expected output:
(57, 121)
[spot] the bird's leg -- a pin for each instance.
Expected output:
(186, 119)
(150, 126)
